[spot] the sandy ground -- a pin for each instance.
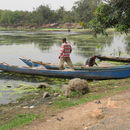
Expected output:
(111, 113)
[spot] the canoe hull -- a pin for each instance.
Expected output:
(98, 74)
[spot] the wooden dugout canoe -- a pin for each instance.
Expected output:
(96, 73)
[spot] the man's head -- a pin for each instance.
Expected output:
(64, 40)
(93, 57)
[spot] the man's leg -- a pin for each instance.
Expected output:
(69, 62)
(61, 64)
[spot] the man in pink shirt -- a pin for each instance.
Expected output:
(65, 51)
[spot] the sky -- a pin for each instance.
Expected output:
(29, 5)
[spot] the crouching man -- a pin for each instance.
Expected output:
(91, 61)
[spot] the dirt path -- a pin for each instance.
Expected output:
(107, 114)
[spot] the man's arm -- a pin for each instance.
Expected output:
(61, 50)
(96, 64)
(70, 49)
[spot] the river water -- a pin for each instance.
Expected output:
(44, 46)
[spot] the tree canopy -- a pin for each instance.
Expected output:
(112, 14)
(84, 9)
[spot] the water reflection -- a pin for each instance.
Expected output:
(118, 46)
(43, 47)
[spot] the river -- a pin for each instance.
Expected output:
(44, 46)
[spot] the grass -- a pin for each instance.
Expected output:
(19, 120)
(64, 103)
(98, 90)
(52, 29)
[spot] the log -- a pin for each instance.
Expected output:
(117, 59)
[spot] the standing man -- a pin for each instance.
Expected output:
(65, 51)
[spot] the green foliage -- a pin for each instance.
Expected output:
(122, 28)
(75, 94)
(102, 19)
(53, 90)
(60, 14)
(64, 103)
(8, 17)
(84, 25)
(19, 120)
(84, 9)
(115, 13)
(81, 11)
(22, 88)
(43, 15)
(69, 102)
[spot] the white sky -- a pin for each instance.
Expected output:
(28, 5)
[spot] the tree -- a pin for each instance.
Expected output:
(43, 15)
(61, 14)
(8, 17)
(113, 13)
(84, 10)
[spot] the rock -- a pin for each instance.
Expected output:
(116, 86)
(56, 94)
(76, 84)
(59, 95)
(8, 86)
(25, 107)
(43, 85)
(98, 102)
(31, 107)
(60, 118)
(50, 103)
(36, 93)
(46, 94)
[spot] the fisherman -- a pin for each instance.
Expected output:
(91, 61)
(65, 51)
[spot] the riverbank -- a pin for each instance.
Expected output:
(34, 107)
(50, 27)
